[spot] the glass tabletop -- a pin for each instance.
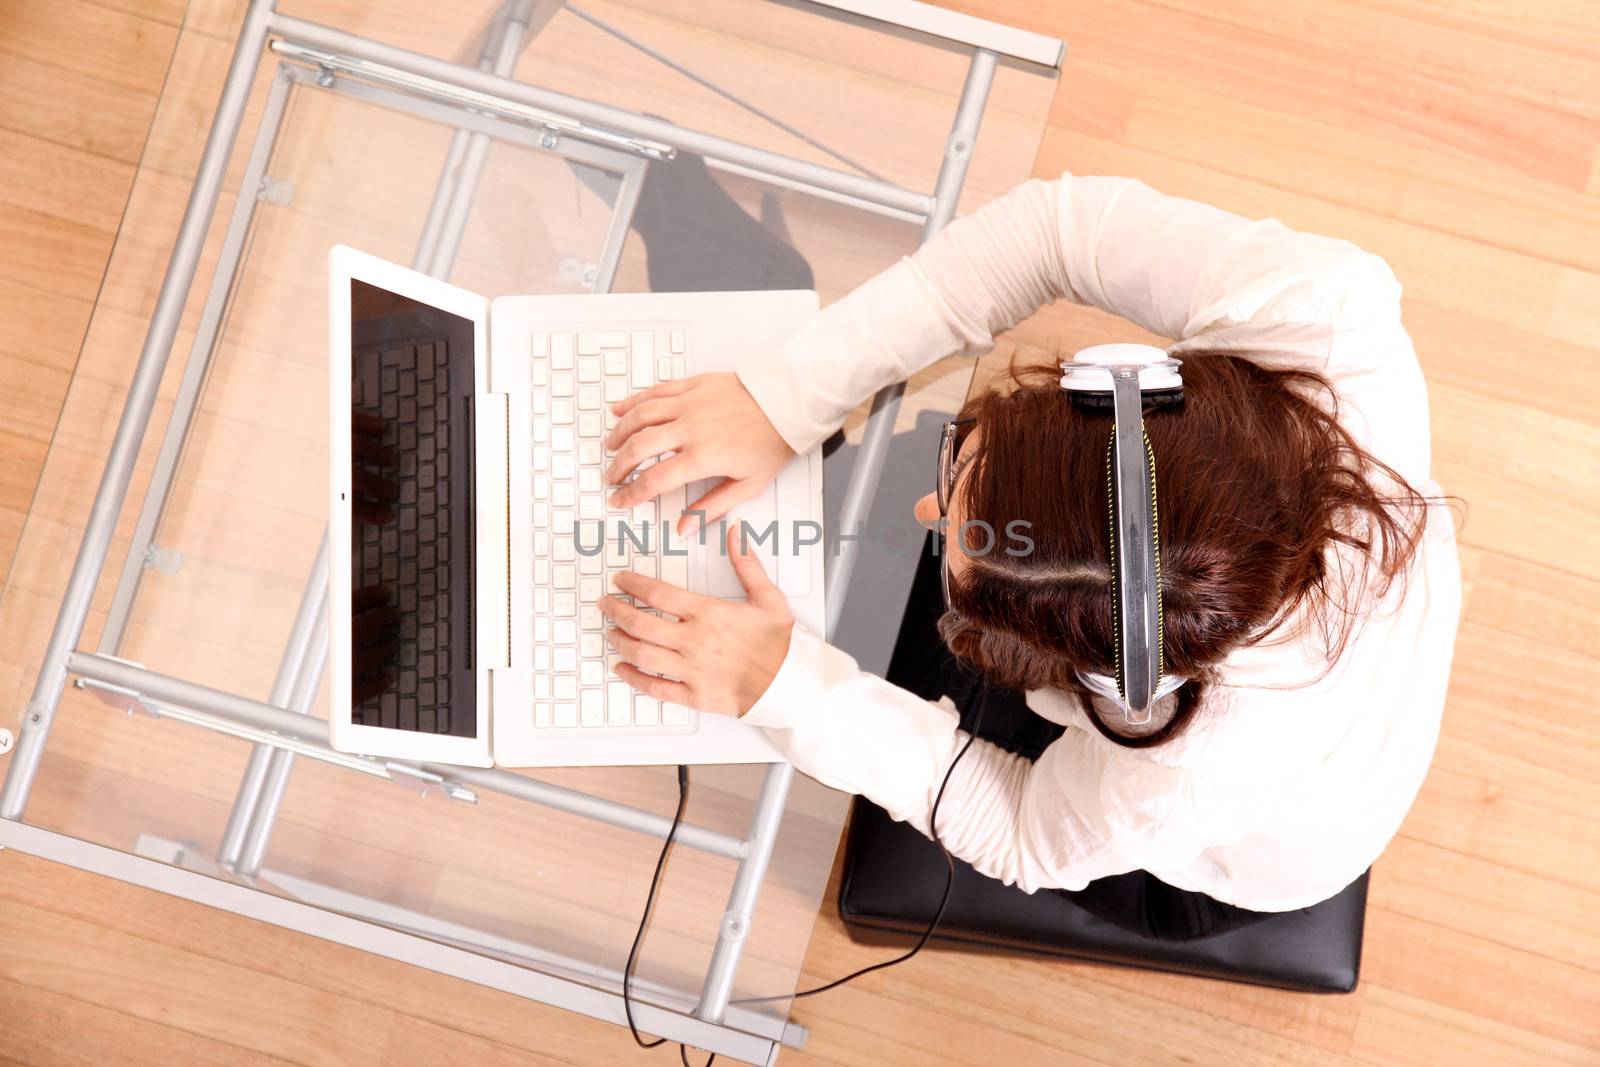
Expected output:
(217, 542)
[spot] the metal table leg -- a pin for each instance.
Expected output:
(41, 710)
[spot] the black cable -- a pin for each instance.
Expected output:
(661, 861)
(949, 882)
(649, 906)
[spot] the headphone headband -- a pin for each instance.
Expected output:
(1126, 374)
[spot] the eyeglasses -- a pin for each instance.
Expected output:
(950, 441)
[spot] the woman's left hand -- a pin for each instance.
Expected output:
(717, 655)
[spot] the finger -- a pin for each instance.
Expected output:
(758, 587)
(646, 656)
(654, 480)
(718, 501)
(655, 392)
(368, 596)
(367, 688)
(373, 485)
(370, 626)
(650, 685)
(652, 412)
(367, 422)
(672, 599)
(374, 451)
(641, 624)
(372, 514)
(640, 447)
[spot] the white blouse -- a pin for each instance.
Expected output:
(1278, 795)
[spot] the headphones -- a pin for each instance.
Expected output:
(1122, 380)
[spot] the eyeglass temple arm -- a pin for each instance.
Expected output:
(1139, 668)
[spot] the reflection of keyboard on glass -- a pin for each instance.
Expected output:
(410, 388)
(575, 376)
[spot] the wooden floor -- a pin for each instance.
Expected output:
(1458, 139)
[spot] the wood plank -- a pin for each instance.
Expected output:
(1398, 1029)
(48, 1029)
(223, 1001)
(1479, 977)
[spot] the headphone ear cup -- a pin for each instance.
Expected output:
(1102, 403)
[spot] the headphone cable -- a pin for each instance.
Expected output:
(982, 694)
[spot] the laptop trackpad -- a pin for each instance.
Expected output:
(772, 517)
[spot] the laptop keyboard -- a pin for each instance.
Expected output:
(575, 376)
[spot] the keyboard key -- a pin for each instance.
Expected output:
(562, 550)
(679, 342)
(562, 439)
(588, 369)
(541, 572)
(541, 429)
(566, 659)
(593, 709)
(592, 646)
(541, 686)
(590, 508)
(646, 710)
(588, 398)
(565, 687)
(538, 373)
(561, 351)
(564, 467)
(565, 576)
(566, 632)
(591, 672)
(616, 388)
(680, 367)
(562, 383)
(615, 361)
(566, 714)
(541, 457)
(564, 605)
(619, 704)
(590, 454)
(589, 617)
(674, 714)
(539, 344)
(644, 369)
(561, 411)
(663, 369)
(541, 657)
(541, 629)
(541, 716)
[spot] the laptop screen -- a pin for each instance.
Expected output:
(411, 571)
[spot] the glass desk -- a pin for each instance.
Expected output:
(162, 641)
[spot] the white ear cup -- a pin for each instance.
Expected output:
(1089, 370)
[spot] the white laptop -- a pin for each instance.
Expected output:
(469, 536)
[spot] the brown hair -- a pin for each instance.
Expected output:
(1263, 498)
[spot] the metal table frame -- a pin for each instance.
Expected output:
(479, 98)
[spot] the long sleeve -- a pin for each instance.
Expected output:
(1177, 267)
(1084, 810)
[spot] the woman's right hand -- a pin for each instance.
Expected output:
(713, 427)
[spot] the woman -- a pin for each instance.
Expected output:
(1309, 591)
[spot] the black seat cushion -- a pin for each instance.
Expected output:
(893, 878)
